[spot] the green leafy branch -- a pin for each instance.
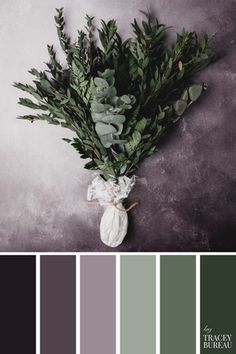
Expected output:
(119, 97)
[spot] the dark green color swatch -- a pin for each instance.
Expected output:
(178, 305)
(218, 304)
(138, 304)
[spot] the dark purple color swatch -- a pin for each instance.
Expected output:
(97, 305)
(17, 305)
(58, 309)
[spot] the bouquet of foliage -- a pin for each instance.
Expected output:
(119, 97)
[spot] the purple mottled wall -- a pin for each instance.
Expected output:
(187, 191)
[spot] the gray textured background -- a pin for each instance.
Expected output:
(186, 191)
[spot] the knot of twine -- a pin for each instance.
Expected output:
(115, 205)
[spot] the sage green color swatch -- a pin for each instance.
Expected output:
(178, 304)
(138, 304)
(218, 304)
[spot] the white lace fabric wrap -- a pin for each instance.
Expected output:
(111, 194)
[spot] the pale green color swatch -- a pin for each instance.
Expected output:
(138, 304)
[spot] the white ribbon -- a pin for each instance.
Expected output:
(111, 194)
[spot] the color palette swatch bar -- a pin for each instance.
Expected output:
(178, 305)
(58, 309)
(17, 304)
(112, 305)
(137, 305)
(218, 304)
(97, 304)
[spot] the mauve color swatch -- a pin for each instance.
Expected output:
(17, 304)
(138, 304)
(98, 305)
(178, 305)
(58, 309)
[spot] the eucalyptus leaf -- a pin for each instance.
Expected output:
(101, 82)
(180, 106)
(104, 129)
(195, 92)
